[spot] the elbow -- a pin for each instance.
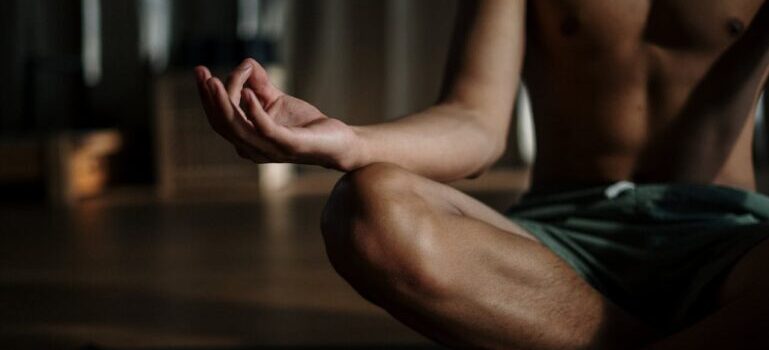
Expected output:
(496, 149)
(489, 128)
(477, 174)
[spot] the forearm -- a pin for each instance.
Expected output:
(459, 137)
(445, 142)
(465, 133)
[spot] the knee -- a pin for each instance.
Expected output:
(379, 232)
(364, 194)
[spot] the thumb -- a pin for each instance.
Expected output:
(260, 83)
(266, 126)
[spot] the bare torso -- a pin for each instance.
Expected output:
(649, 91)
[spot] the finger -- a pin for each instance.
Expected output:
(253, 109)
(226, 115)
(259, 81)
(256, 114)
(218, 111)
(202, 74)
(280, 136)
(221, 100)
(224, 120)
(254, 134)
(243, 133)
(236, 79)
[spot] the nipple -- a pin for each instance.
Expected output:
(735, 26)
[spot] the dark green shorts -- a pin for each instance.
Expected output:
(657, 251)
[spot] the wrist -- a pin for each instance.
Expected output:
(357, 153)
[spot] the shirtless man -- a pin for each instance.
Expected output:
(656, 94)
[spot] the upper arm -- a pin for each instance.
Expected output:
(484, 68)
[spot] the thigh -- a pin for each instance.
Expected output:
(447, 200)
(498, 286)
(741, 320)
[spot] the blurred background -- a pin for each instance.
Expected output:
(126, 223)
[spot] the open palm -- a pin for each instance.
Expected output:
(266, 125)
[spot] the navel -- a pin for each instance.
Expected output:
(735, 26)
(570, 26)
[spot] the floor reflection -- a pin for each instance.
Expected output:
(199, 274)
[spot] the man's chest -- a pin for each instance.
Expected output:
(687, 25)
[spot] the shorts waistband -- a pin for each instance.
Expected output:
(683, 193)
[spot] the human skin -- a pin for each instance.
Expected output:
(643, 91)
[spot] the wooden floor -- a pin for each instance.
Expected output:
(131, 272)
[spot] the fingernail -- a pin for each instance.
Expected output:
(247, 95)
(245, 66)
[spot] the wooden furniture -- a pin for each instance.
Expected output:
(67, 166)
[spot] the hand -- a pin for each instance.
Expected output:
(267, 126)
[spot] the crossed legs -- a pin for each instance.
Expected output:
(459, 272)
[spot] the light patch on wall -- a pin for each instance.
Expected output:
(261, 19)
(91, 36)
(155, 33)
(248, 19)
